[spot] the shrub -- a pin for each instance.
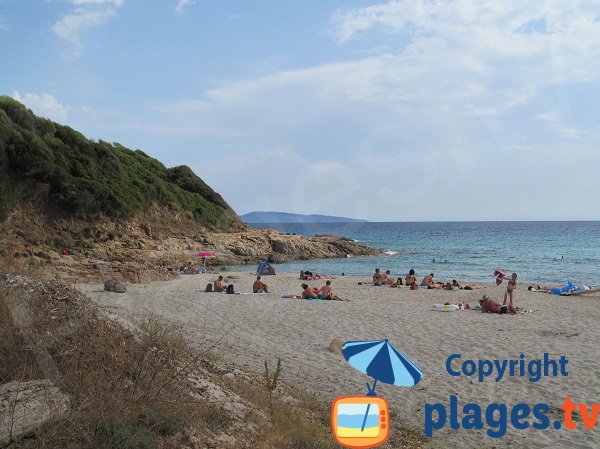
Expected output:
(122, 435)
(88, 178)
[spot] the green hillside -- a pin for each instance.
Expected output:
(58, 169)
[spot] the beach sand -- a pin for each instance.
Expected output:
(252, 328)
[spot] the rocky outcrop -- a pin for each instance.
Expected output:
(140, 250)
(26, 406)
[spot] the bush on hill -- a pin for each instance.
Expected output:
(57, 167)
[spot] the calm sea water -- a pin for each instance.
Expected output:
(540, 252)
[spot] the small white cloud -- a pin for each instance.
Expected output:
(3, 24)
(97, 2)
(553, 116)
(45, 105)
(182, 4)
(87, 14)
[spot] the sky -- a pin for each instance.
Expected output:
(389, 111)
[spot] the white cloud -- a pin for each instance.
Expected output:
(412, 131)
(182, 5)
(45, 105)
(87, 14)
(97, 2)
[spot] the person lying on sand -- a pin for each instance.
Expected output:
(308, 293)
(448, 286)
(327, 293)
(259, 286)
(488, 305)
(461, 305)
(396, 283)
(218, 285)
(540, 288)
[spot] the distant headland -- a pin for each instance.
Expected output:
(285, 217)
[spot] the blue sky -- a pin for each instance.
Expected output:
(390, 111)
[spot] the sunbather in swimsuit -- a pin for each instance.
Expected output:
(512, 284)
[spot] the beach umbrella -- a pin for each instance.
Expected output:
(205, 254)
(381, 361)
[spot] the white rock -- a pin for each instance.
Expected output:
(25, 406)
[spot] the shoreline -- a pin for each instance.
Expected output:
(250, 328)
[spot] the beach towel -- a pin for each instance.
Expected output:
(300, 297)
(525, 311)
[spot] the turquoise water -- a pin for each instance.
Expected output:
(540, 252)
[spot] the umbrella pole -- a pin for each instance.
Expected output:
(370, 393)
(371, 390)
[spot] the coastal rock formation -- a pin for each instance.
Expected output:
(150, 247)
(86, 210)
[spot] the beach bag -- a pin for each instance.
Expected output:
(208, 288)
(230, 290)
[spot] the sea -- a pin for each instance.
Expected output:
(540, 252)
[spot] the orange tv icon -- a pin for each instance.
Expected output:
(360, 421)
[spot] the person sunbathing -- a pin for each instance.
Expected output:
(377, 277)
(396, 283)
(327, 293)
(218, 285)
(259, 286)
(461, 305)
(411, 279)
(428, 282)
(190, 268)
(308, 293)
(386, 279)
(488, 305)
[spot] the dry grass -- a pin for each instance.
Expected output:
(123, 388)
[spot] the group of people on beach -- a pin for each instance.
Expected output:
(325, 292)
(411, 281)
(487, 304)
(258, 286)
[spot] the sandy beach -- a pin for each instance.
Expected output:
(250, 328)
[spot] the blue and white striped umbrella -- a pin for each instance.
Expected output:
(384, 363)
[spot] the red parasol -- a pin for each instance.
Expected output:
(205, 254)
